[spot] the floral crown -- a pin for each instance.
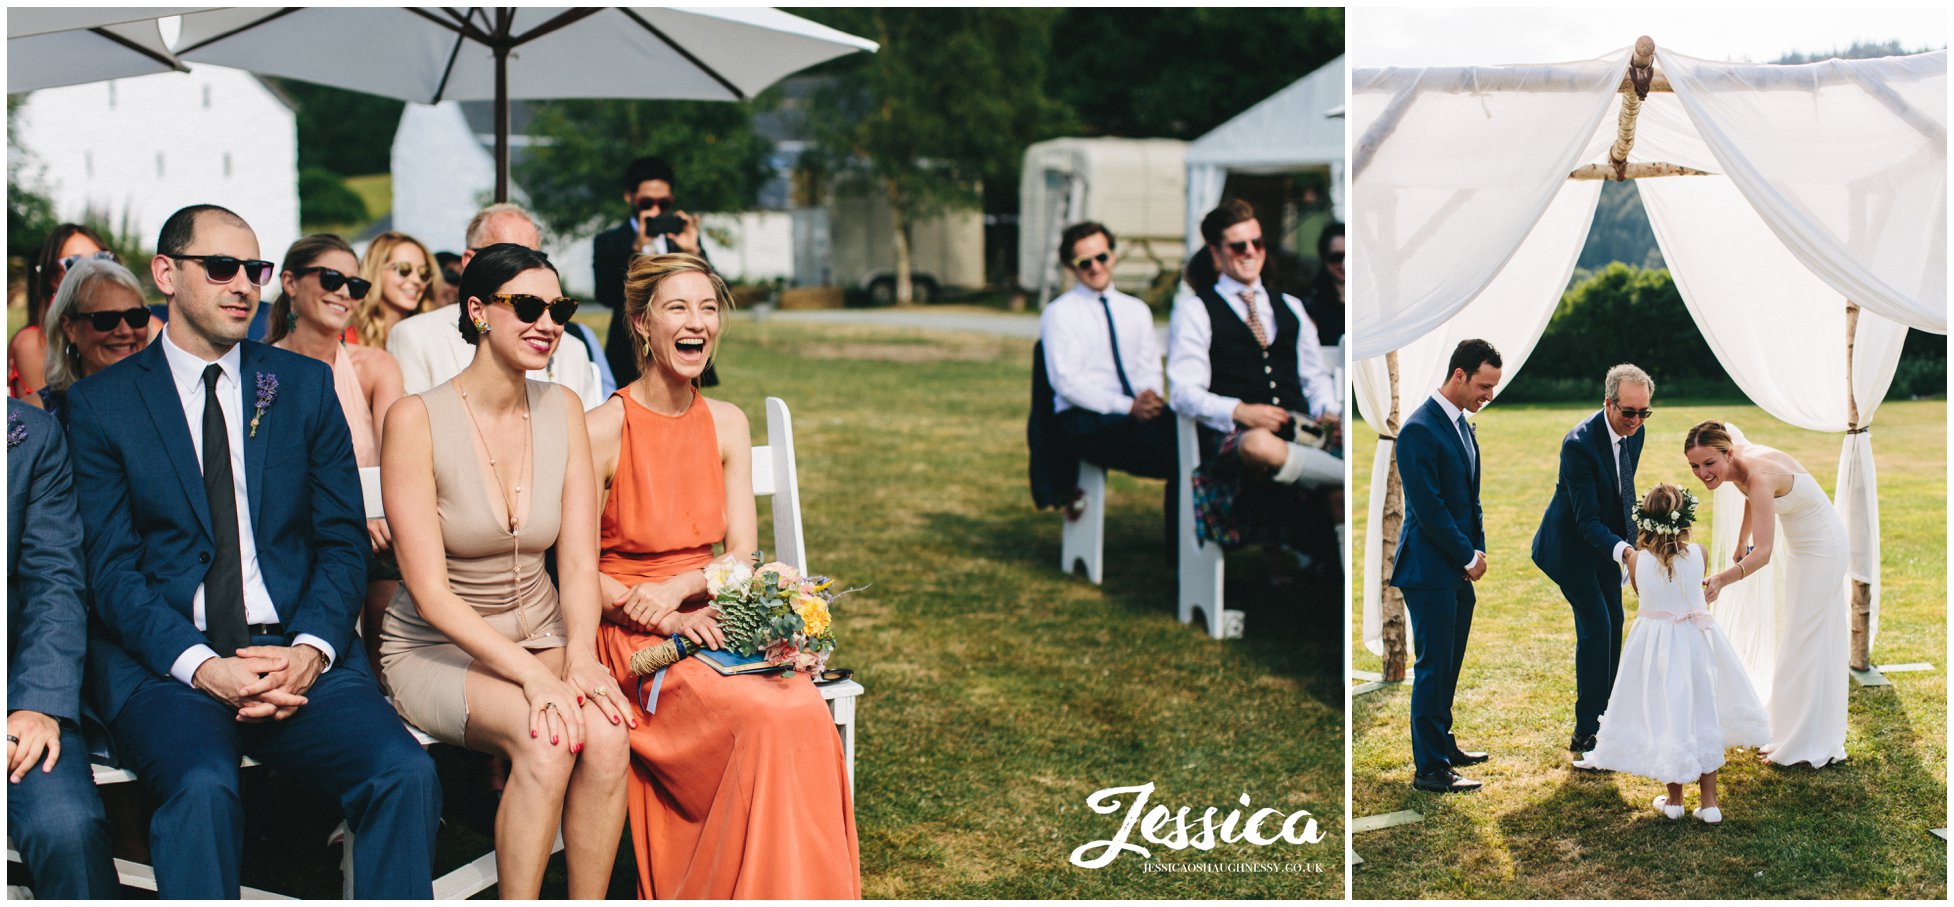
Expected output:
(1671, 523)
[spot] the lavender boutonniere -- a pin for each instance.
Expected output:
(267, 392)
(16, 432)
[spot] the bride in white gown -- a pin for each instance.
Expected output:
(1793, 643)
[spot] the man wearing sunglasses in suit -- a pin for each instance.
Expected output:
(1103, 361)
(1586, 536)
(225, 592)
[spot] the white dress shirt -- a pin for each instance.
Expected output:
(187, 375)
(1078, 354)
(430, 350)
(1452, 414)
(1615, 443)
(1188, 334)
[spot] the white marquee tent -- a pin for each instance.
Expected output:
(1804, 222)
(1289, 130)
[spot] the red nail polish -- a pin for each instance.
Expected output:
(552, 739)
(580, 700)
(613, 719)
(532, 735)
(577, 749)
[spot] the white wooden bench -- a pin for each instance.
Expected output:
(1201, 562)
(1082, 540)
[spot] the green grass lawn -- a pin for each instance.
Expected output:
(1000, 693)
(1540, 829)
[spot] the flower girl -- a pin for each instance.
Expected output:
(1680, 697)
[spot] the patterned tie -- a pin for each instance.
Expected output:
(1627, 474)
(224, 623)
(1254, 324)
(1465, 435)
(1125, 386)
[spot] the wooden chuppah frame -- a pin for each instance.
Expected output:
(1638, 82)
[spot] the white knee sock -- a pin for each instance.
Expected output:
(1309, 466)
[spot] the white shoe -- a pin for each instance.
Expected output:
(1672, 813)
(1710, 816)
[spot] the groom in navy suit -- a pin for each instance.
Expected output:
(226, 552)
(1441, 553)
(1587, 533)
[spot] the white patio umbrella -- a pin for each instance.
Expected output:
(432, 54)
(52, 46)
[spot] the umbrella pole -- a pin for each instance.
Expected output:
(501, 123)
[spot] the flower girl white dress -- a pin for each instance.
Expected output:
(1681, 696)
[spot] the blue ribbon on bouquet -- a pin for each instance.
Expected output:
(648, 698)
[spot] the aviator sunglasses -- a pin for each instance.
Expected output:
(403, 269)
(1627, 413)
(104, 322)
(1241, 248)
(331, 280)
(530, 307)
(1079, 264)
(224, 268)
(68, 262)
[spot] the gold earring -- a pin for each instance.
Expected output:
(482, 326)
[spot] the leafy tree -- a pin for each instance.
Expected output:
(325, 201)
(575, 176)
(349, 133)
(1623, 309)
(947, 105)
(1178, 73)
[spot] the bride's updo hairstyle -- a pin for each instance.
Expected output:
(1661, 504)
(641, 283)
(1711, 434)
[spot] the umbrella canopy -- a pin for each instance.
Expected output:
(433, 54)
(48, 47)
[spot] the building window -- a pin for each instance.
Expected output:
(206, 97)
(159, 164)
(227, 165)
(111, 95)
(88, 163)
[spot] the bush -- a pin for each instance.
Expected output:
(324, 201)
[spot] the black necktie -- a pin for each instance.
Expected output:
(1112, 333)
(1628, 491)
(224, 584)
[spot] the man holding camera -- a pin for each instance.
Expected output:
(656, 226)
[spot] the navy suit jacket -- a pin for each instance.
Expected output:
(47, 623)
(1443, 524)
(1584, 520)
(149, 539)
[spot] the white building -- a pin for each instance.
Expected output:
(133, 151)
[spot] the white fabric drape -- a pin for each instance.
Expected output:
(1704, 226)
(1511, 313)
(1451, 169)
(1847, 162)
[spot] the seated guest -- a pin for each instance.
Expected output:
(401, 271)
(67, 246)
(429, 347)
(1325, 302)
(221, 505)
(479, 649)
(450, 265)
(54, 817)
(650, 195)
(738, 788)
(1244, 361)
(1103, 358)
(318, 293)
(100, 316)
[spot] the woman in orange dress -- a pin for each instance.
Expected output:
(738, 788)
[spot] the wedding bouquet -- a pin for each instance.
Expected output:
(773, 618)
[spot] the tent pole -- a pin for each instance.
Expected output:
(1391, 524)
(1862, 592)
(1641, 71)
(1640, 170)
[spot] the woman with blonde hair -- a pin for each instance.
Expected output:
(405, 283)
(721, 762)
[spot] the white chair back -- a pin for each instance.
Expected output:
(775, 475)
(370, 492)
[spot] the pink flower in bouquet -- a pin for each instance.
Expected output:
(786, 572)
(810, 663)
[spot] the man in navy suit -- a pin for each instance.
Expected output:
(1441, 553)
(1586, 536)
(53, 813)
(226, 550)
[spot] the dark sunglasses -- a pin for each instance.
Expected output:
(1634, 413)
(70, 261)
(1241, 248)
(530, 307)
(224, 268)
(666, 203)
(833, 674)
(1335, 258)
(1079, 264)
(331, 280)
(104, 322)
(403, 269)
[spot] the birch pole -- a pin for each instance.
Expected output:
(1862, 592)
(1392, 523)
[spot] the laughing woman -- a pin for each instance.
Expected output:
(738, 788)
(318, 293)
(98, 313)
(482, 476)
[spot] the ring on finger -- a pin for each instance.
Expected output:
(549, 706)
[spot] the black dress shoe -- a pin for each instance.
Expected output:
(1444, 781)
(1581, 744)
(1468, 757)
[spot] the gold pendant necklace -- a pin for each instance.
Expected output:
(508, 500)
